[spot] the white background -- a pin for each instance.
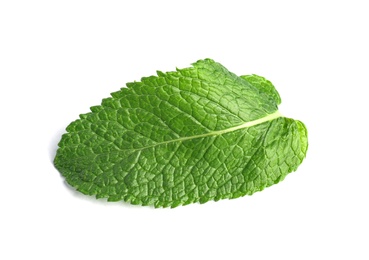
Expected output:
(58, 58)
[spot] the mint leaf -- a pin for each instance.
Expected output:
(193, 135)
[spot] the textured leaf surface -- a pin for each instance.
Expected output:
(193, 135)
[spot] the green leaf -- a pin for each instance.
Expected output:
(193, 135)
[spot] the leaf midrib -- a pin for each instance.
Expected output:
(267, 118)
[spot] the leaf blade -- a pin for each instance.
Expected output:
(169, 140)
